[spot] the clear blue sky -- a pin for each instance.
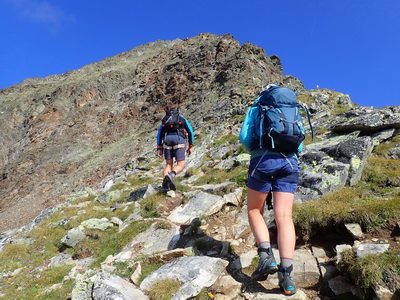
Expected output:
(350, 46)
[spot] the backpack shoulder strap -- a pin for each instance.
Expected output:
(308, 117)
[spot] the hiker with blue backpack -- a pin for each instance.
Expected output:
(175, 137)
(273, 133)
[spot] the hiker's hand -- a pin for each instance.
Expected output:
(189, 151)
(159, 153)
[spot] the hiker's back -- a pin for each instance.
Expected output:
(279, 122)
(173, 120)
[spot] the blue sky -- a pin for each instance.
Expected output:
(350, 46)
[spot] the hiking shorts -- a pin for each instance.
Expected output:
(276, 172)
(174, 146)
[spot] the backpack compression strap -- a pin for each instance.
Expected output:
(309, 119)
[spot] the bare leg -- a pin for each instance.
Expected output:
(168, 166)
(255, 210)
(180, 165)
(283, 205)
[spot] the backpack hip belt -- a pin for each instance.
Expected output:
(179, 146)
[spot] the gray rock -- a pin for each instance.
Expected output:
(82, 289)
(151, 190)
(339, 285)
(395, 153)
(355, 230)
(151, 241)
(82, 193)
(306, 269)
(73, 237)
(194, 273)
(367, 120)
(383, 135)
(332, 164)
(112, 287)
(200, 204)
(370, 249)
(109, 196)
(383, 293)
(94, 223)
(61, 259)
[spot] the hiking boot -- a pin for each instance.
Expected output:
(165, 184)
(170, 178)
(286, 282)
(265, 266)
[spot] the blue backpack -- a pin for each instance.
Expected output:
(281, 125)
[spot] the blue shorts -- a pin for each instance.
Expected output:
(276, 172)
(171, 141)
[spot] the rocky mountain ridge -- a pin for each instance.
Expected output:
(95, 127)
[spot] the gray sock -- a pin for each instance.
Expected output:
(264, 245)
(287, 262)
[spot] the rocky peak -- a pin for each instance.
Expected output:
(65, 131)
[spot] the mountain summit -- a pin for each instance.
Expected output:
(63, 132)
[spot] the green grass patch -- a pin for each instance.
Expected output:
(371, 270)
(237, 174)
(384, 148)
(164, 289)
(229, 139)
(149, 267)
(382, 172)
(349, 204)
(14, 256)
(100, 244)
(150, 206)
(135, 181)
(124, 270)
(30, 283)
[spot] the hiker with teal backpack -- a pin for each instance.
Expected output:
(273, 132)
(175, 137)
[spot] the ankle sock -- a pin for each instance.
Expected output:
(287, 262)
(264, 245)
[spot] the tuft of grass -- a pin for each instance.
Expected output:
(149, 267)
(382, 172)
(229, 139)
(164, 289)
(371, 270)
(31, 283)
(191, 171)
(162, 225)
(14, 256)
(124, 270)
(100, 244)
(237, 174)
(349, 204)
(134, 181)
(149, 207)
(383, 149)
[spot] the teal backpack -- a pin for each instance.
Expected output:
(280, 124)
